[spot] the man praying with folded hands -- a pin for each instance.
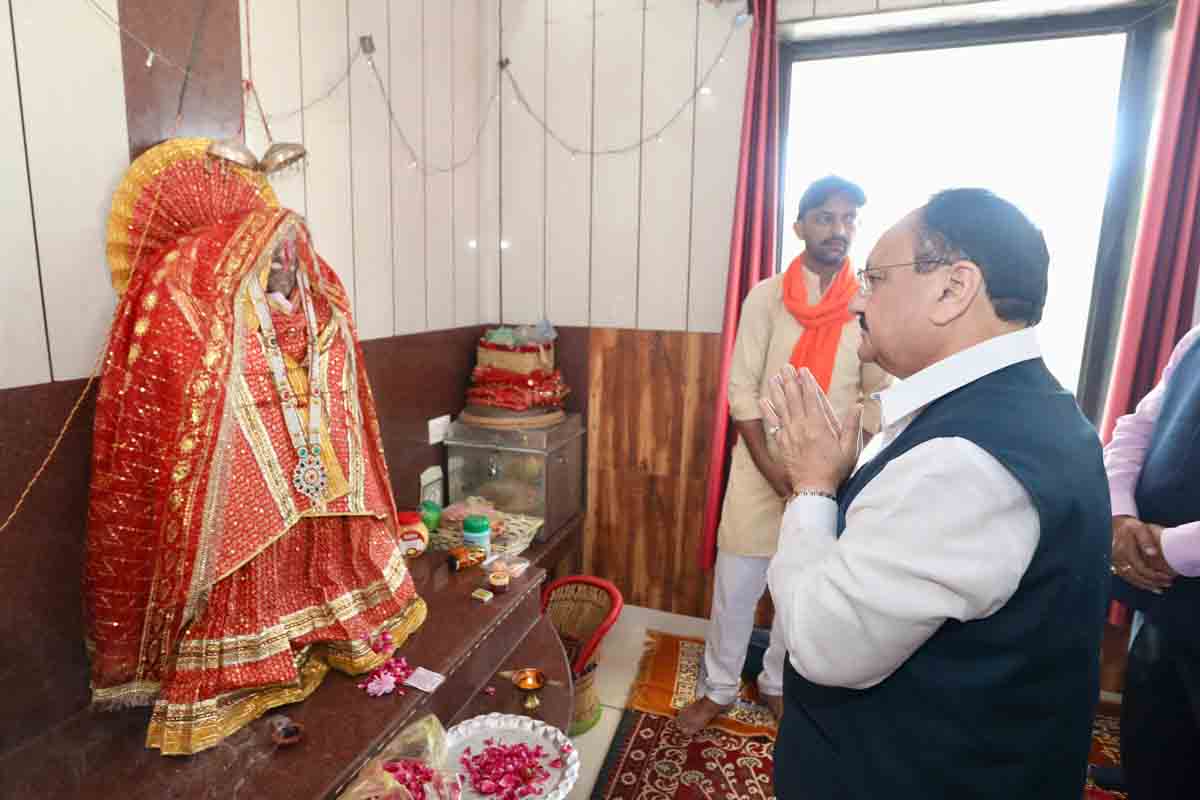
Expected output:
(943, 604)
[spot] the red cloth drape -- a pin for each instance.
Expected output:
(1166, 258)
(752, 246)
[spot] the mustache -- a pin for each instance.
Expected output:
(836, 239)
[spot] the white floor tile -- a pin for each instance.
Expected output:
(620, 654)
(622, 649)
(593, 748)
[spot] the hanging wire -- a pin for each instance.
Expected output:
(504, 67)
(155, 57)
(519, 94)
(414, 159)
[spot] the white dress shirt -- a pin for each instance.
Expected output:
(942, 532)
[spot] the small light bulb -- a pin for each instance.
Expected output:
(149, 59)
(705, 90)
(472, 244)
(505, 244)
(412, 164)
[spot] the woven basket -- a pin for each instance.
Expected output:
(517, 361)
(587, 703)
(582, 609)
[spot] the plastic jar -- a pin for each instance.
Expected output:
(477, 534)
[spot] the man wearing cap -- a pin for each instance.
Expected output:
(800, 317)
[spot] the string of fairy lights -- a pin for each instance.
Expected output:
(364, 51)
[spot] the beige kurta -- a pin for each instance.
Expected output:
(766, 335)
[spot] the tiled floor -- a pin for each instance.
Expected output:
(619, 657)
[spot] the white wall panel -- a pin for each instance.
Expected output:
(468, 72)
(523, 162)
(568, 176)
(668, 79)
(439, 145)
(370, 159)
(489, 161)
(408, 182)
(275, 48)
(323, 48)
(78, 143)
(714, 178)
(22, 331)
(615, 196)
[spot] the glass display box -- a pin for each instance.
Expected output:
(538, 472)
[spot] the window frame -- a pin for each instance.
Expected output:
(1145, 28)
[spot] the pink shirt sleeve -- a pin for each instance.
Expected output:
(1123, 462)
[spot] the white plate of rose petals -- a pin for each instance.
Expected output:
(512, 757)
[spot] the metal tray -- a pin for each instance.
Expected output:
(514, 729)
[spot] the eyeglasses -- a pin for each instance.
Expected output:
(867, 274)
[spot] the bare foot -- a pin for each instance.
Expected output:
(698, 715)
(775, 703)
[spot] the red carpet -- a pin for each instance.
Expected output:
(650, 758)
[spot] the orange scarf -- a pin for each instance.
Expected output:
(817, 346)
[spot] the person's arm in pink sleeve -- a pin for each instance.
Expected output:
(1131, 437)
(1123, 455)
(1181, 548)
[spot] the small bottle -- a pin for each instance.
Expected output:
(414, 536)
(477, 534)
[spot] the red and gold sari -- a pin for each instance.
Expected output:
(215, 590)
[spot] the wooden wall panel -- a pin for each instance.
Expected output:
(213, 104)
(22, 326)
(41, 562)
(651, 396)
(523, 165)
(568, 176)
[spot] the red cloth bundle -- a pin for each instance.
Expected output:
(500, 388)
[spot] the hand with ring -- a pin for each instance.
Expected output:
(818, 450)
(1137, 554)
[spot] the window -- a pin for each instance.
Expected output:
(1033, 121)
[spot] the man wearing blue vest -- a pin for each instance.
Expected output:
(943, 607)
(1153, 462)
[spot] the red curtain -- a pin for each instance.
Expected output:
(1166, 259)
(752, 247)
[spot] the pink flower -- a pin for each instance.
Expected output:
(381, 684)
(556, 763)
(490, 691)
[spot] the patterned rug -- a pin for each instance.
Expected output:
(1106, 748)
(667, 681)
(650, 758)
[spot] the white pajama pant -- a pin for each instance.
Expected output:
(738, 583)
